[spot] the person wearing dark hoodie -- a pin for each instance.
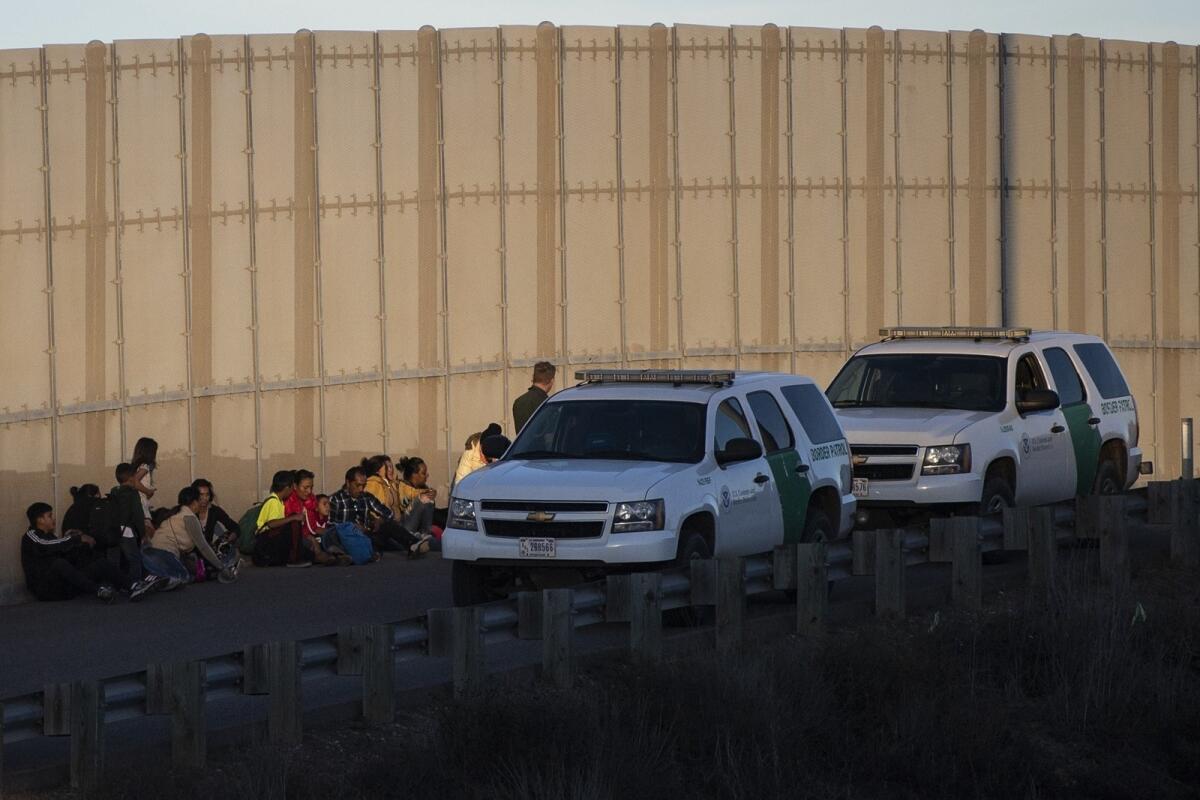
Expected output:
(83, 500)
(128, 519)
(62, 567)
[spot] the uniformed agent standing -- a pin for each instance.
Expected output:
(526, 404)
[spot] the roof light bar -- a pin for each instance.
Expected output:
(677, 376)
(950, 332)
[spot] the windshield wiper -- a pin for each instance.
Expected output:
(621, 455)
(535, 454)
(856, 404)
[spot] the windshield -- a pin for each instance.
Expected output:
(637, 430)
(920, 380)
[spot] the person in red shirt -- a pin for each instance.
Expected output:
(303, 503)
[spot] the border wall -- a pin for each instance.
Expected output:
(275, 251)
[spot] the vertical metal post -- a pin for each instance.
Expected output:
(951, 188)
(731, 55)
(1053, 62)
(252, 217)
(679, 344)
(623, 303)
(560, 85)
(843, 57)
(185, 206)
(380, 239)
(1185, 439)
(443, 257)
(115, 161)
(316, 255)
(1151, 200)
(1103, 103)
(897, 56)
(502, 202)
(789, 55)
(47, 210)
(1002, 135)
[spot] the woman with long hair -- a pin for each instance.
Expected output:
(144, 462)
(417, 498)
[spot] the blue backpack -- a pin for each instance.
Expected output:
(356, 543)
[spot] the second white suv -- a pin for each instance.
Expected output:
(973, 419)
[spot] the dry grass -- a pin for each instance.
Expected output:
(1089, 698)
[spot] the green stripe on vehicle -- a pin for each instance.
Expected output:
(794, 492)
(1085, 441)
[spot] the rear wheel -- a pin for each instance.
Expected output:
(468, 583)
(1108, 479)
(692, 546)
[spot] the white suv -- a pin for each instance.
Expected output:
(645, 467)
(972, 419)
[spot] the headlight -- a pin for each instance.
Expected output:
(462, 515)
(947, 459)
(638, 515)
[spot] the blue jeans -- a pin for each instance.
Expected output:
(127, 551)
(164, 564)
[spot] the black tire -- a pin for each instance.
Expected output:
(692, 545)
(468, 583)
(1108, 479)
(817, 527)
(997, 493)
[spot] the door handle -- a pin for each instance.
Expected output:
(760, 478)
(1094, 421)
(802, 469)
(1057, 429)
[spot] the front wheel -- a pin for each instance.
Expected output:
(997, 495)
(1108, 479)
(468, 583)
(692, 546)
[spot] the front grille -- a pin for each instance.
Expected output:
(884, 472)
(883, 449)
(514, 528)
(539, 505)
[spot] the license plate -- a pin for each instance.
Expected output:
(861, 487)
(537, 548)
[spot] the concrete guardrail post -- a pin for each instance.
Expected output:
(812, 587)
(645, 623)
(254, 669)
(56, 709)
(862, 552)
(889, 574)
(966, 580)
(439, 624)
(1043, 552)
(468, 651)
(616, 598)
(1161, 500)
(783, 567)
(185, 698)
(350, 643)
(731, 602)
(1016, 527)
(87, 735)
(285, 704)
(529, 615)
(558, 637)
(1113, 530)
(941, 545)
(379, 674)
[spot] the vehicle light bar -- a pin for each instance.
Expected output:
(950, 332)
(676, 376)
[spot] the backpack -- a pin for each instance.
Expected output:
(248, 528)
(103, 525)
(356, 543)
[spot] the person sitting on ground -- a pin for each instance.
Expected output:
(127, 518)
(78, 516)
(59, 568)
(219, 527)
(303, 504)
(144, 462)
(417, 498)
(381, 481)
(180, 535)
(472, 457)
(352, 504)
(279, 540)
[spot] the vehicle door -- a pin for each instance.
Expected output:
(1046, 473)
(1082, 420)
(789, 472)
(748, 502)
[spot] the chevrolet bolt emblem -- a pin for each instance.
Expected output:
(540, 516)
(859, 460)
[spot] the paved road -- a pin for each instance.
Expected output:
(51, 642)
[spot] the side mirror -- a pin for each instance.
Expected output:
(1037, 400)
(737, 450)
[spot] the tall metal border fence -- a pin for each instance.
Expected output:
(292, 250)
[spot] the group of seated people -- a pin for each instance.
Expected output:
(119, 543)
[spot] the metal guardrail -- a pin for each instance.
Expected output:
(226, 676)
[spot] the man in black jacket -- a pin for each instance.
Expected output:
(526, 404)
(59, 568)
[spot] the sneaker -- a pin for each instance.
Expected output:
(299, 564)
(172, 584)
(106, 593)
(150, 583)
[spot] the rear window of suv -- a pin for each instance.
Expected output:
(812, 409)
(1103, 368)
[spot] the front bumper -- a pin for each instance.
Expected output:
(619, 548)
(924, 490)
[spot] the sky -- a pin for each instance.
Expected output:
(30, 24)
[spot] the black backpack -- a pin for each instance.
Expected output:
(102, 522)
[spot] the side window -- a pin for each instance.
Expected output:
(731, 424)
(1070, 387)
(1029, 374)
(813, 412)
(776, 434)
(1103, 369)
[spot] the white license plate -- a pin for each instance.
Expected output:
(861, 487)
(537, 548)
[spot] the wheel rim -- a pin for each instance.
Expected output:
(995, 504)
